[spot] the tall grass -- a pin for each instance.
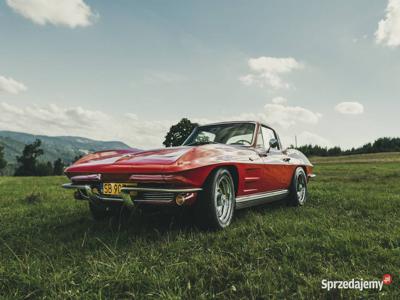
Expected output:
(350, 228)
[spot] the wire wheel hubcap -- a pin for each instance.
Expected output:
(224, 199)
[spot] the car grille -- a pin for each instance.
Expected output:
(159, 196)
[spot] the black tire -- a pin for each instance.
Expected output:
(215, 206)
(101, 211)
(298, 188)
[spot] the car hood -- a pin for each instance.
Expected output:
(155, 160)
(155, 156)
(163, 156)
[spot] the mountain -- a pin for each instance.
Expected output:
(64, 147)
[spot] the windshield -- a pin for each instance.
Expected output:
(230, 134)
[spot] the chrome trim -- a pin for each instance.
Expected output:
(112, 199)
(158, 202)
(142, 189)
(90, 177)
(256, 199)
(260, 195)
(75, 186)
(146, 177)
(125, 197)
(94, 197)
(157, 196)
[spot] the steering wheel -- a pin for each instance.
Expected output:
(242, 142)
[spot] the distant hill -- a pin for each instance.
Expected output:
(64, 147)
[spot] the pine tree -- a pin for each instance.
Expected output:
(28, 160)
(58, 167)
(3, 162)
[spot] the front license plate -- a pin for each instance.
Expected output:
(112, 188)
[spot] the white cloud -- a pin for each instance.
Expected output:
(71, 13)
(350, 108)
(286, 116)
(56, 120)
(388, 32)
(11, 86)
(279, 100)
(130, 128)
(276, 114)
(268, 71)
(131, 116)
(307, 138)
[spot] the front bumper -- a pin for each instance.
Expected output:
(146, 195)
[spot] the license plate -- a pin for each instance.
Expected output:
(112, 188)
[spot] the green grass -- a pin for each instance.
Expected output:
(350, 228)
(360, 158)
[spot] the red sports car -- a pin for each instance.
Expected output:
(219, 168)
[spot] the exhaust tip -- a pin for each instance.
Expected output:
(180, 199)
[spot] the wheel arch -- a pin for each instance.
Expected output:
(306, 170)
(233, 170)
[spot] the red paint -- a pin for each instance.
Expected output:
(189, 166)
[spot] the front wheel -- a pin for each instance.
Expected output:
(216, 203)
(298, 188)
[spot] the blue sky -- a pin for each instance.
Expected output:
(128, 69)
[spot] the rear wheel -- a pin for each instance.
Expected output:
(298, 188)
(216, 203)
(100, 211)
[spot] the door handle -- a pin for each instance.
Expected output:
(286, 159)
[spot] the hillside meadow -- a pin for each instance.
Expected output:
(350, 228)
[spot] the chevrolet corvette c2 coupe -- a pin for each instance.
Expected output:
(220, 167)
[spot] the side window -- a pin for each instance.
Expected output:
(260, 140)
(268, 134)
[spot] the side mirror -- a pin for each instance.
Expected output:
(273, 143)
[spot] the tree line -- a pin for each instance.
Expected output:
(385, 144)
(29, 164)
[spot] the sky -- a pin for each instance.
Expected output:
(327, 72)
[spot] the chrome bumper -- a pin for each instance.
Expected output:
(89, 195)
(125, 196)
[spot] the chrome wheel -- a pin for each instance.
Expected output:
(224, 197)
(216, 204)
(301, 188)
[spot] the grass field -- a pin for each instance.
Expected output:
(350, 228)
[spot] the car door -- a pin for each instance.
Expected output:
(277, 168)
